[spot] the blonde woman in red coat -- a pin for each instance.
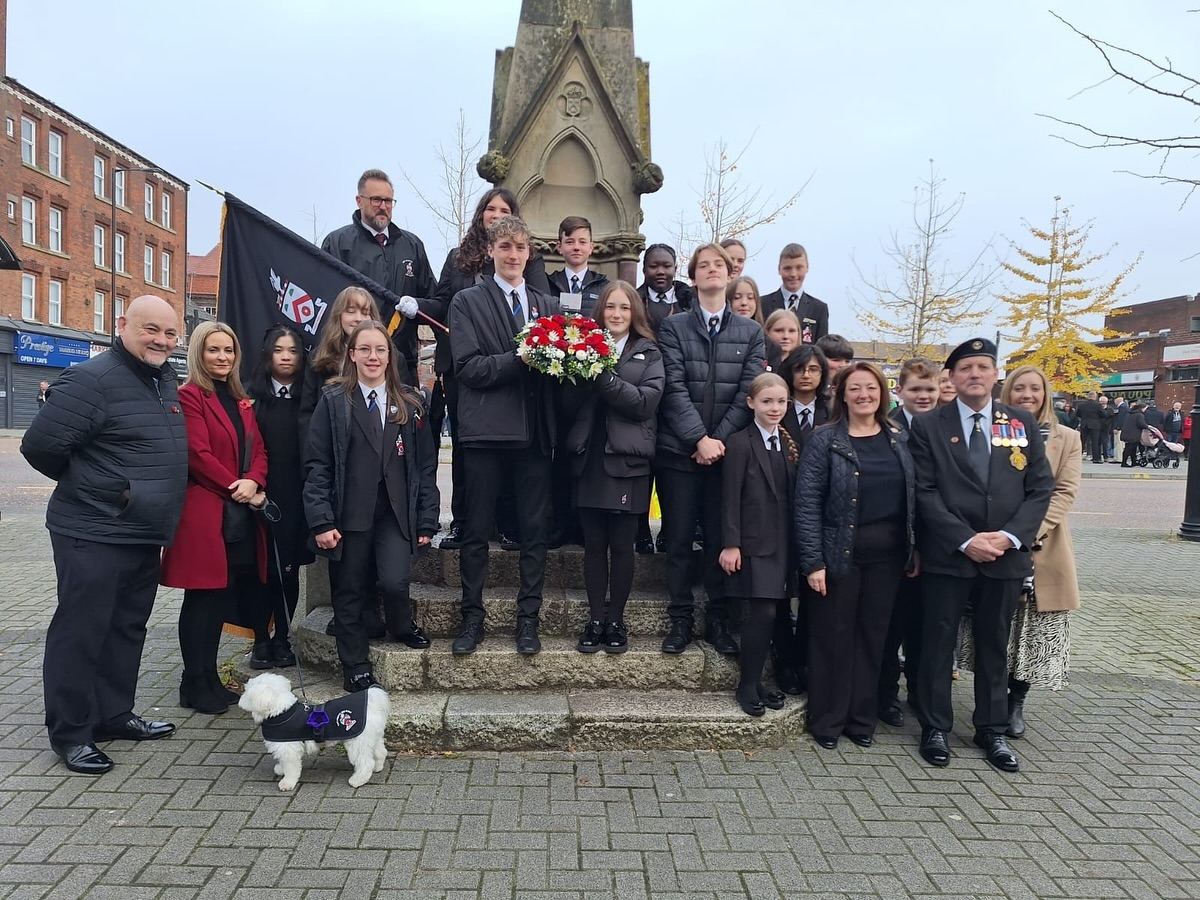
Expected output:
(227, 465)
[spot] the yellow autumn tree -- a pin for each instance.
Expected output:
(1052, 319)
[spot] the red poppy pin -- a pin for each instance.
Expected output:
(175, 409)
(245, 403)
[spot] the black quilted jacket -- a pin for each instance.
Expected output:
(112, 435)
(691, 358)
(826, 507)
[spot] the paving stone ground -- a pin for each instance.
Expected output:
(1107, 802)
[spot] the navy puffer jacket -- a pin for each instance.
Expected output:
(112, 435)
(826, 508)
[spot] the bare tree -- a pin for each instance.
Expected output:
(729, 206)
(316, 225)
(924, 298)
(1153, 77)
(453, 204)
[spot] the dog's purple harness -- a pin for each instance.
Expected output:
(334, 720)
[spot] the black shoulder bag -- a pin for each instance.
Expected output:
(237, 519)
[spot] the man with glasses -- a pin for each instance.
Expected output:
(394, 258)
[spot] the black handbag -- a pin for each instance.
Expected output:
(237, 519)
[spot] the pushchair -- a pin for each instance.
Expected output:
(1157, 450)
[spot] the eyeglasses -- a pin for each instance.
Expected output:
(369, 352)
(380, 201)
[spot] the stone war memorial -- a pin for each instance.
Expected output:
(570, 135)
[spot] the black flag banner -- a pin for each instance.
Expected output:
(272, 276)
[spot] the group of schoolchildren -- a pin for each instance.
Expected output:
(717, 403)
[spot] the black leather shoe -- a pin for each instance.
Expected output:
(468, 639)
(772, 699)
(528, 642)
(892, 715)
(509, 542)
(829, 743)
(678, 637)
(452, 540)
(787, 681)
(331, 627)
(135, 728)
(590, 637)
(934, 749)
(997, 752)
(863, 740)
(717, 634)
(414, 640)
(645, 546)
(261, 656)
(86, 759)
(281, 653)
(753, 707)
(1016, 717)
(359, 682)
(616, 638)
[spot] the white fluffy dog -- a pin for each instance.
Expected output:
(270, 701)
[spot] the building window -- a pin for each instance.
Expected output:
(119, 252)
(119, 188)
(56, 223)
(28, 221)
(28, 141)
(120, 311)
(166, 210)
(99, 179)
(148, 259)
(149, 203)
(9, 126)
(1195, 324)
(1187, 373)
(28, 296)
(12, 209)
(56, 295)
(54, 162)
(98, 256)
(99, 302)
(166, 269)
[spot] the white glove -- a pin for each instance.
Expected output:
(407, 307)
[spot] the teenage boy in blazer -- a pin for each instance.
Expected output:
(812, 313)
(506, 428)
(983, 487)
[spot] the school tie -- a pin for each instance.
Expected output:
(805, 420)
(714, 326)
(792, 300)
(373, 409)
(574, 284)
(773, 440)
(662, 298)
(977, 448)
(381, 239)
(283, 393)
(518, 313)
(371, 404)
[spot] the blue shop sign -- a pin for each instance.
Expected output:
(44, 350)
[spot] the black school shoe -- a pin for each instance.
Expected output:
(590, 637)
(616, 638)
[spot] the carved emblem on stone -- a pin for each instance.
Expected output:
(573, 102)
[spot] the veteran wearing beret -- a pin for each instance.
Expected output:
(983, 487)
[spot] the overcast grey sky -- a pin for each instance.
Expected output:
(285, 103)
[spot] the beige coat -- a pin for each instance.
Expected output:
(1057, 586)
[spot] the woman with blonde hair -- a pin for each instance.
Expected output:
(351, 307)
(1039, 646)
(219, 555)
(782, 330)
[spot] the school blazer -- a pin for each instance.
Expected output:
(751, 498)
(953, 505)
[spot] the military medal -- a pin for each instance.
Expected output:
(1017, 458)
(1019, 430)
(997, 435)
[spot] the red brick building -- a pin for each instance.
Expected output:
(60, 180)
(1165, 363)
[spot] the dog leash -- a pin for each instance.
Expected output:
(273, 515)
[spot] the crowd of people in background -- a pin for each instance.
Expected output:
(847, 538)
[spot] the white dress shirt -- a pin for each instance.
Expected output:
(812, 410)
(279, 385)
(788, 295)
(581, 275)
(381, 400)
(767, 435)
(508, 289)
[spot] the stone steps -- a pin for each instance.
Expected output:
(571, 720)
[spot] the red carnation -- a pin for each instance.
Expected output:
(561, 345)
(603, 349)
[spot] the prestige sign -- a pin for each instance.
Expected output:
(44, 350)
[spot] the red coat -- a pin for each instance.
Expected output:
(196, 558)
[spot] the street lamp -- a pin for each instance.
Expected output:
(1190, 529)
(112, 204)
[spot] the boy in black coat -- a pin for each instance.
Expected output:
(506, 428)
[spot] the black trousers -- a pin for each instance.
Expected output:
(202, 617)
(276, 592)
(95, 639)
(789, 638)
(905, 628)
(1091, 442)
(1129, 456)
(607, 561)
(565, 528)
(847, 629)
(688, 498)
(944, 600)
(373, 562)
(526, 473)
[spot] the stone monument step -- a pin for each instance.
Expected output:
(496, 665)
(571, 720)
(564, 568)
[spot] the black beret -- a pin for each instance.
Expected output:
(973, 347)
